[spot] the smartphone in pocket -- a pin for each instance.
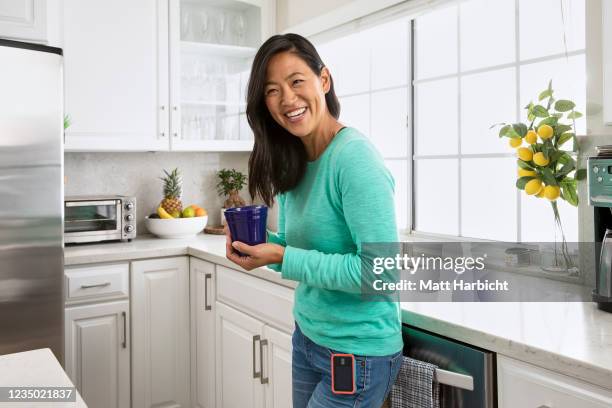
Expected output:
(343, 373)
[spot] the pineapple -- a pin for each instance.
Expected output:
(172, 192)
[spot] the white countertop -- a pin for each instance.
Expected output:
(35, 368)
(571, 338)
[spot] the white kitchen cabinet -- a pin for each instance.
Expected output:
(212, 45)
(160, 332)
(277, 367)
(202, 299)
(116, 74)
(97, 350)
(523, 385)
(238, 362)
(24, 20)
(607, 60)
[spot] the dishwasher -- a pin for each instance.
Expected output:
(466, 374)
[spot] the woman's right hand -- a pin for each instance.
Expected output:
(254, 255)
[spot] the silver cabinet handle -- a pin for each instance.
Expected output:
(256, 374)
(124, 343)
(544, 406)
(163, 134)
(175, 134)
(97, 285)
(175, 108)
(207, 277)
(163, 107)
(262, 343)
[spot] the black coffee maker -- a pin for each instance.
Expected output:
(600, 197)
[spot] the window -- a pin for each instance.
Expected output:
(476, 63)
(371, 75)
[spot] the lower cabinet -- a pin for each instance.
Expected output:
(523, 385)
(98, 353)
(203, 309)
(160, 332)
(251, 357)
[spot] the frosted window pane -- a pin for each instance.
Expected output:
(537, 222)
(245, 130)
(436, 43)
(355, 112)
(389, 132)
(537, 40)
(348, 60)
(488, 198)
(487, 33)
(399, 169)
(569, 82)
(486, 99)
(436, 196)
(436, 117)
(389, 54)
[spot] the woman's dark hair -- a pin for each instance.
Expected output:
(278, 161)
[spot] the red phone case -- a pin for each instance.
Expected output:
(333, 387)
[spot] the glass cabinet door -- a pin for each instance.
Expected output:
(212, 45)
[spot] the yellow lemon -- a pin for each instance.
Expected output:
(516, 142)
(540, 159)
(552, 192)
(545, 132)
(531, 137)
(526, 173)
(540, 194)
(524, 153)
(533, 187)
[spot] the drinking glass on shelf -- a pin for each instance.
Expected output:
(204, 26)
(221, 27)
(240, 28)
(186, 24)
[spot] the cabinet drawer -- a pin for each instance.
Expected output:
(524, 385)
(264, 300)
(99, 281)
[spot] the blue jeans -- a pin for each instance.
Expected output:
(311, 366)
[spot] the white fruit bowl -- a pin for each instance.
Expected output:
(176, 227)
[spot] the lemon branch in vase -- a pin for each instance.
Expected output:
(545, 169)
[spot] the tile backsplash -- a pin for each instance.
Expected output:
(138, 174)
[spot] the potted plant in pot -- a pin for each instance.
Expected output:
(229, 185)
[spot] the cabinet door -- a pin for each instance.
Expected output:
(238, 359)
(24, 20)
(116, 74)
(160, 329)
(277, 355)
(203, 308)
(523, 385)
(98, 353)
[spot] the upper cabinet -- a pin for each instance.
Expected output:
(160, 75)
(116, 74)
(607, 60)
(212, 45)
(24, 20)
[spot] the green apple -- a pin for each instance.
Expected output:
(188, 212)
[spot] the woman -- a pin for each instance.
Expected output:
(334, 193)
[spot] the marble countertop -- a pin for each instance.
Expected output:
(35, 368)
(571, 338)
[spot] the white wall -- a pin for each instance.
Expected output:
(290, 13)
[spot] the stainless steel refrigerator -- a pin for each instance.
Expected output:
(31, 198)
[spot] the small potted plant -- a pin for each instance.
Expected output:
(229, 185)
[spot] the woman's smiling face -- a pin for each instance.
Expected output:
(295, 95)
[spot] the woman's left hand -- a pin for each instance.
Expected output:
(255, 255)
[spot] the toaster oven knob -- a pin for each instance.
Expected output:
(129, 228)
(129, 217)
(129, 206)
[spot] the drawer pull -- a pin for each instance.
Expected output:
(262, 343)
(124, 343)
(256, 374)
(544, 406)
(207, 277)
(97, 285)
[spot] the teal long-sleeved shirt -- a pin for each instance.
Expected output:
(345, 199)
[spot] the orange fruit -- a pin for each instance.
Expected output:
(200, 212)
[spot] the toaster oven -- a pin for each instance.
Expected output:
(99, 218)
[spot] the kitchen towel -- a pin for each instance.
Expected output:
(415, 386)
